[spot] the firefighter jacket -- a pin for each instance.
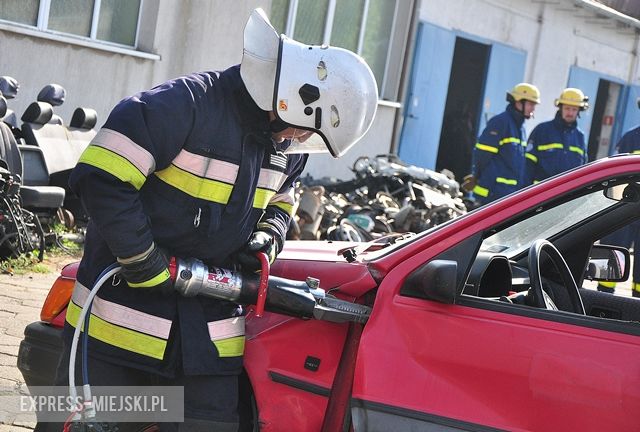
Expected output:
(554, 147)
(191, 166)
(499, 156)
(630, 142)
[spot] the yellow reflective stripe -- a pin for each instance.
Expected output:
(262, 197)
(635, 152)
(531, 157)
(635, 286)
(550, 146)
(156, 280)
(510, 140)
(284, 201)
(487, 148)
(210, 190)
(285, 207)
(479, 190)
(232, 347)
(228, 336)
(607, 284)
(119, 336)
(114, 164)
(123, 145)
(577, 150)
(123, 316)
(536, 181)
(506, 181)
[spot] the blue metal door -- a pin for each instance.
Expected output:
(506, 69)
(427, 95)
(588, 82)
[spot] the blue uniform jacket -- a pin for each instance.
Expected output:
(630, 142)
(499, 156)
(190, 165)
(554, 147)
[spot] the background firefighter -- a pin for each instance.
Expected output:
(558, 145)
(498, 164)
(202, 166)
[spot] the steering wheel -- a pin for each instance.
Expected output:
(539, 297)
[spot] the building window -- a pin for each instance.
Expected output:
(114, 21)
(362, 26)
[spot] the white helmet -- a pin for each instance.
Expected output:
(327, 90)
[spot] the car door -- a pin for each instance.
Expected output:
(479, 364)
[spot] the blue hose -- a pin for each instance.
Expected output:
(85, 333)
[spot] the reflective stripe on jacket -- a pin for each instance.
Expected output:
(189, 164)
(499, 156)
(554, 147)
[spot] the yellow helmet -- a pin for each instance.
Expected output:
(524, 91)
(573, 97)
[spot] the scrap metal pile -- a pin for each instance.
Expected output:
(386, 196)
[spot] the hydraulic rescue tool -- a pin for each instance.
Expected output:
(301, 299)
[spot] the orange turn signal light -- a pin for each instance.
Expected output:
(57, 299)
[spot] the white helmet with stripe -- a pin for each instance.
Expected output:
(327, 90)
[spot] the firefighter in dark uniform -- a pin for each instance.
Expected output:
(629, 235)
(203, 166)
(558, 145)
(498, 166)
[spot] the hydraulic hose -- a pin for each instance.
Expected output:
(83, 319)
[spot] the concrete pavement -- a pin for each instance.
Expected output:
(21, 297)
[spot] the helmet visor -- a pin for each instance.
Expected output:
(307, 144)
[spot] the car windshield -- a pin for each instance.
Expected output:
(546, 223)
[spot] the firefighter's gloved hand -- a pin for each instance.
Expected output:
(469, 182)
(147, 271)
(260, 241)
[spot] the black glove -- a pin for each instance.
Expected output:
(148, 270)
(260, 241)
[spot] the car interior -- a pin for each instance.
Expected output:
(545, 262)
(534, 260)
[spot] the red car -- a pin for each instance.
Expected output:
(482, 323)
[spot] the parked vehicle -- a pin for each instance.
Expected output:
(485, 322)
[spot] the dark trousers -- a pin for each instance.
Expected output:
(210, 402)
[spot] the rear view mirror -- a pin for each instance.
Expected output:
(608, 263)
(626, 192)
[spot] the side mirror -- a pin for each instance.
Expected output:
(608, 263)
(435, 280)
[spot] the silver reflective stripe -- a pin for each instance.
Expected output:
(272, 180)
(206, 167)
(226, 328)
(286, 198)
(122, 315)
(125, 147)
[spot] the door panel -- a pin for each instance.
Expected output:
(506, 69)
(588, 82)
(456, 365)
(427, 96)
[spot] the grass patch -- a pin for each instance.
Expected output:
(23, 264)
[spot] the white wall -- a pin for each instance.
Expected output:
(554, 35)
(186, 37)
